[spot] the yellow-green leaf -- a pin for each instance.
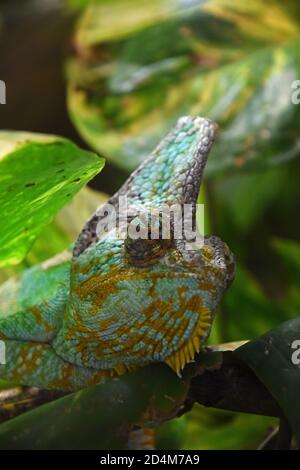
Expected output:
(39, 174)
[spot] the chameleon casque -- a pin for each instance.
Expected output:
(121, 303)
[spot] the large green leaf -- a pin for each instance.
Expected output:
(100, 416)
(275, 360)
(61, 232)
(255, 22)
(39, 174)
(141, 64)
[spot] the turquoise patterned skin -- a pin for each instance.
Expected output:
(118, 303)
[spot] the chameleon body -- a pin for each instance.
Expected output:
(121, 303)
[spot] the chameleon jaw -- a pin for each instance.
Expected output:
(182, 356)
(187, 352)
(176, 361)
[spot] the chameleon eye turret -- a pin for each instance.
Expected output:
(128, 301)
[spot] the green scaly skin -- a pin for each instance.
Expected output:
(120, 304)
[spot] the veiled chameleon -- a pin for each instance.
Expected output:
(122, 303)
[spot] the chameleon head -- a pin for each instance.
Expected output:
(212, 259)
(145, 299)
(185, 285)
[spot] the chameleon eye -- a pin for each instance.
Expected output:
(142, 253)
(219, 261)
(141, 248)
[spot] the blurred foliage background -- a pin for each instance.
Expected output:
(113, 75)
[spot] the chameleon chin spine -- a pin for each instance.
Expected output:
(178, 360)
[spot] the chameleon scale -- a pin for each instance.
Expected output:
(121, 304)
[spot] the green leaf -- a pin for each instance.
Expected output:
(275, 361)
(141, 65)
(67, 224)
(61, 232)
(39, 174)
(256, 22)
(98, 417)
